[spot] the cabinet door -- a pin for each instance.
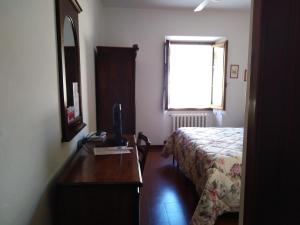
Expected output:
(97, 204)
(115, 83)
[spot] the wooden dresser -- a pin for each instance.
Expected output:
(99, 190)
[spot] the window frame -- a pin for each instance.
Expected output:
(167, 69)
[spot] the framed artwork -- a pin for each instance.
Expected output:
(234, 71)
(245, 75)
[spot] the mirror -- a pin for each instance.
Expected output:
(69, 68)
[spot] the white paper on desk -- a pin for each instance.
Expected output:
(112, 150)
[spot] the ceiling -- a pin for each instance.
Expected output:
(243, 5)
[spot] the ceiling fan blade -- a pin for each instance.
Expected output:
(201, 6)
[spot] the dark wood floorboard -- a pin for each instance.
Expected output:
(167, 197)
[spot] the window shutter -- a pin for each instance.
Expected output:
(166, 71)
(218, 97)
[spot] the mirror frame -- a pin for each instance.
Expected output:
(71, 9)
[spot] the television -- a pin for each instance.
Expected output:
(117, 137)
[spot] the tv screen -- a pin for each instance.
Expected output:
(118, 140)
(117, 120)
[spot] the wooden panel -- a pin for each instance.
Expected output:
(273, 125)
(115, 83)
(96, 205)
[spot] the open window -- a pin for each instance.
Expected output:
(195, 75)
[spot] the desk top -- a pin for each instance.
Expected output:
(86, 168)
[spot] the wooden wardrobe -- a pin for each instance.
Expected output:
(115, 83)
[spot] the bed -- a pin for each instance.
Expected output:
(211, 158)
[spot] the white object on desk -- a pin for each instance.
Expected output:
(112, 150)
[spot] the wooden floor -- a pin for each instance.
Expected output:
(167, 198)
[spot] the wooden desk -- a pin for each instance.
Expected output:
(95, 190)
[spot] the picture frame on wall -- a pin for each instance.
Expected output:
(234, 71)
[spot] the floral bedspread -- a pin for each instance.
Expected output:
(211, 158)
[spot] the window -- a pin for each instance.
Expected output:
(195, 75)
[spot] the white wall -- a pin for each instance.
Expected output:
(148, 28)
(30, 148)
(91, 34)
